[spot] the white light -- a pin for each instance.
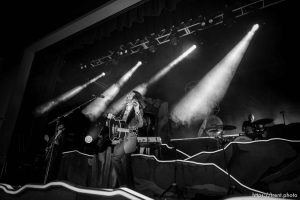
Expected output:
(209, 91)
(255, 27)
(142, 88)
(166, 69)
(64, 97)
(88, 139)
(98, 106)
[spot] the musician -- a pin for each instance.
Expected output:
(248, 126)
(132, 114)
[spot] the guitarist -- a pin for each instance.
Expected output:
(132, 114)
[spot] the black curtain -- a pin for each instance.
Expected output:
(57, 68)
(45, 78)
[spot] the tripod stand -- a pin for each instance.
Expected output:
(174, 185)
(54, 141)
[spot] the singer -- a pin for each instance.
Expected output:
(132, 114)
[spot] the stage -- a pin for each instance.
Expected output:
(239, 169)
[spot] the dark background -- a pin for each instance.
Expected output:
(265, 83)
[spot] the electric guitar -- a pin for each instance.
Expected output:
(117, 132)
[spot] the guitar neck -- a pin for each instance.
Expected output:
(123, 130)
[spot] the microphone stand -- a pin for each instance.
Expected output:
(174, 185)
(71, 111)
(55, 139)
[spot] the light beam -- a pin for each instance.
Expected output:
(64, 97)
(142, 88)
(98, 106)
(209, 91)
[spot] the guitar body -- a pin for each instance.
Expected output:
(114, 126)
(118, 129)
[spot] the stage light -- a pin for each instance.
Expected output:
(200, 100)
(88, 139)
(83, 66)
(166, 69)
(152, 44)
(64, 97)
(201, 20)
(142, 88)
(124, 49)
(255, 27)
(99, 105)
(94, 133)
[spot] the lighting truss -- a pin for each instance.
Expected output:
(187, 29)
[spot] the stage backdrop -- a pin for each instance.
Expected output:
(264, 83)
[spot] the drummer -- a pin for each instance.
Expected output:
(255, 129)
(248, 126)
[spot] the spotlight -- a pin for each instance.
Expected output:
(65, 96)
(83, 66)
(142, 88)
(201, 20)
(166, 69)
(94, 133)
(199, 102)
(125, 49)
(98, 106)
(255, 27)
(152, 46)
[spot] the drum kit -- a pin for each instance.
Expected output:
(219, 131)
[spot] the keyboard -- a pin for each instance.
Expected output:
(155, 140)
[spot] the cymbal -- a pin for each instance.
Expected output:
(221, 127)
(263, 121)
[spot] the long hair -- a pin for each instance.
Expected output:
(138, 96)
